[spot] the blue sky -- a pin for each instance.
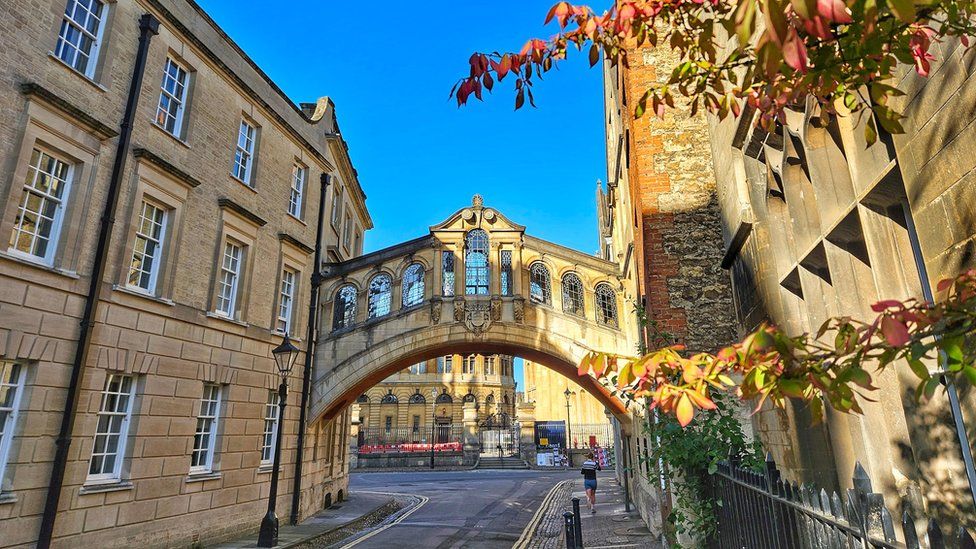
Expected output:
(419, 157)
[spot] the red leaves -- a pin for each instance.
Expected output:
(919, 45)
(835, 11)
(795, 51)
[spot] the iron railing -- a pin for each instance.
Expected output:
(375, 436)
(761, 510)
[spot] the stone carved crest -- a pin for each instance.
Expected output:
(496, 309)
(435, 310)
(519, 308)
(458, 309)
(477, 316)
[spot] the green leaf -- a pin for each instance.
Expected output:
(903, 9)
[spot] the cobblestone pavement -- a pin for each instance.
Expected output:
(610, 527)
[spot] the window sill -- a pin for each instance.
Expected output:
(296, 218)
(23, 260)
(143, 295)
(283, 334)
(245, 184)
(83, 76)
(171, 136)
(203, 476)
(7, 497)
(227, 319)
(265, 468)
(111, 486)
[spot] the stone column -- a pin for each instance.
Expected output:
(472, 446)
(517, 270)
(459, 268)
(525, 413)
(353, 442)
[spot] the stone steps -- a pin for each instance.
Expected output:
(501, 463)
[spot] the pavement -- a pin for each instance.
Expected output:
(357, 505)
(610, 527)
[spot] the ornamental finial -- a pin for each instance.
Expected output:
(477, 201)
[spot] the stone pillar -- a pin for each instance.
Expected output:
(526, 418)
(472, 446)
(353, 441)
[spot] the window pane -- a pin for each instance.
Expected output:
(476, 263)
(145, 265)
(80, 33)
(380, 289)
(413, 285)
(447, 262)
(39, 214)
(113, 416)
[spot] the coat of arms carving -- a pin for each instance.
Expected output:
(477, 316)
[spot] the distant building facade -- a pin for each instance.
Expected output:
(546, 391)
(208, 267)
(403, 405)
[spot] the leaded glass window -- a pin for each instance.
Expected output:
(380, 291)
(447, 263)
(344, 308)
(476, 263)
(506, 280)
(413, 285)
(540, 285)
(606, 305)
(573, 295)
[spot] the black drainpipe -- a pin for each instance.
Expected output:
(309, 350)
(148, 27)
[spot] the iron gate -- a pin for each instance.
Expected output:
(499, 436)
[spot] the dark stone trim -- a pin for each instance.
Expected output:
(192, 38)
(285, 237)
(738, 241)
(151, 158)
(101, 130)
(229, 204)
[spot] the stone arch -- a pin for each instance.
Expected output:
(339, 386)
(410, 260)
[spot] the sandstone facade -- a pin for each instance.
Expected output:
(160, 341)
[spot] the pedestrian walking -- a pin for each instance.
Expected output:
(590, 467)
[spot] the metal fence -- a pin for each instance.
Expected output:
(761, 510)
(380, 436)
(582, 435)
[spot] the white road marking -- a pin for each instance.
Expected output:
(523, 540)
(401, 518)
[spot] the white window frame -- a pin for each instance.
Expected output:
(468, 364)
(229, 298)
(347, 232)
(10, 381)
(296, 198)
(210, 420)
(244, 152)
(121, 435)
(416, 369)
(334, 216)
(286, 300)
(159, 241)
(96, 37)
(490, 365)
(269, 438)
(54, 236)
(179, 99)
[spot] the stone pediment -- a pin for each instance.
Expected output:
(477, 216)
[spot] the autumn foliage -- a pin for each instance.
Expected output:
(837, 365)
(770, 54)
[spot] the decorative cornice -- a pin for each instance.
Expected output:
(35, 91)
(152, 158)
(285, 237)
(229, 204)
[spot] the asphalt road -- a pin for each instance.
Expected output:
(477, 509)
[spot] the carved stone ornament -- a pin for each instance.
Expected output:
(477, 316)
(458, 309)
(519, 307)
(496, 309)
(435, 310)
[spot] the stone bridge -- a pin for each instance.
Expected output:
(475, 284)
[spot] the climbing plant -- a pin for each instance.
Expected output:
(769, 54)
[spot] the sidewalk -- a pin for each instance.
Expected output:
(611, 526)
(357, 506)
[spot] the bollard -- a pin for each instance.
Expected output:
(577, 524)
(570, 530)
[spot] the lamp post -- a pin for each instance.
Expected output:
(433, 420)
(285, 356)
(569, 432)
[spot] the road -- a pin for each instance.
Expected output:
(476, 509)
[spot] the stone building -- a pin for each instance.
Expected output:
(207, 266)
(819, 224)
(436, 390)
(546, 390)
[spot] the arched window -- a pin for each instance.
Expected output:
(506, 400)
(490, 399)
(380, 289)
(444, 398)
(573, 295)
(417, 398)
(363, 399)
(476, 262)
(606, 305)
(344, 308)
(413, 285)
(389, 398)
(469, 398)
(540, 287)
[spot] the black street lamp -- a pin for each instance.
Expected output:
(433, 421)
(569, 432)
(285, 356)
